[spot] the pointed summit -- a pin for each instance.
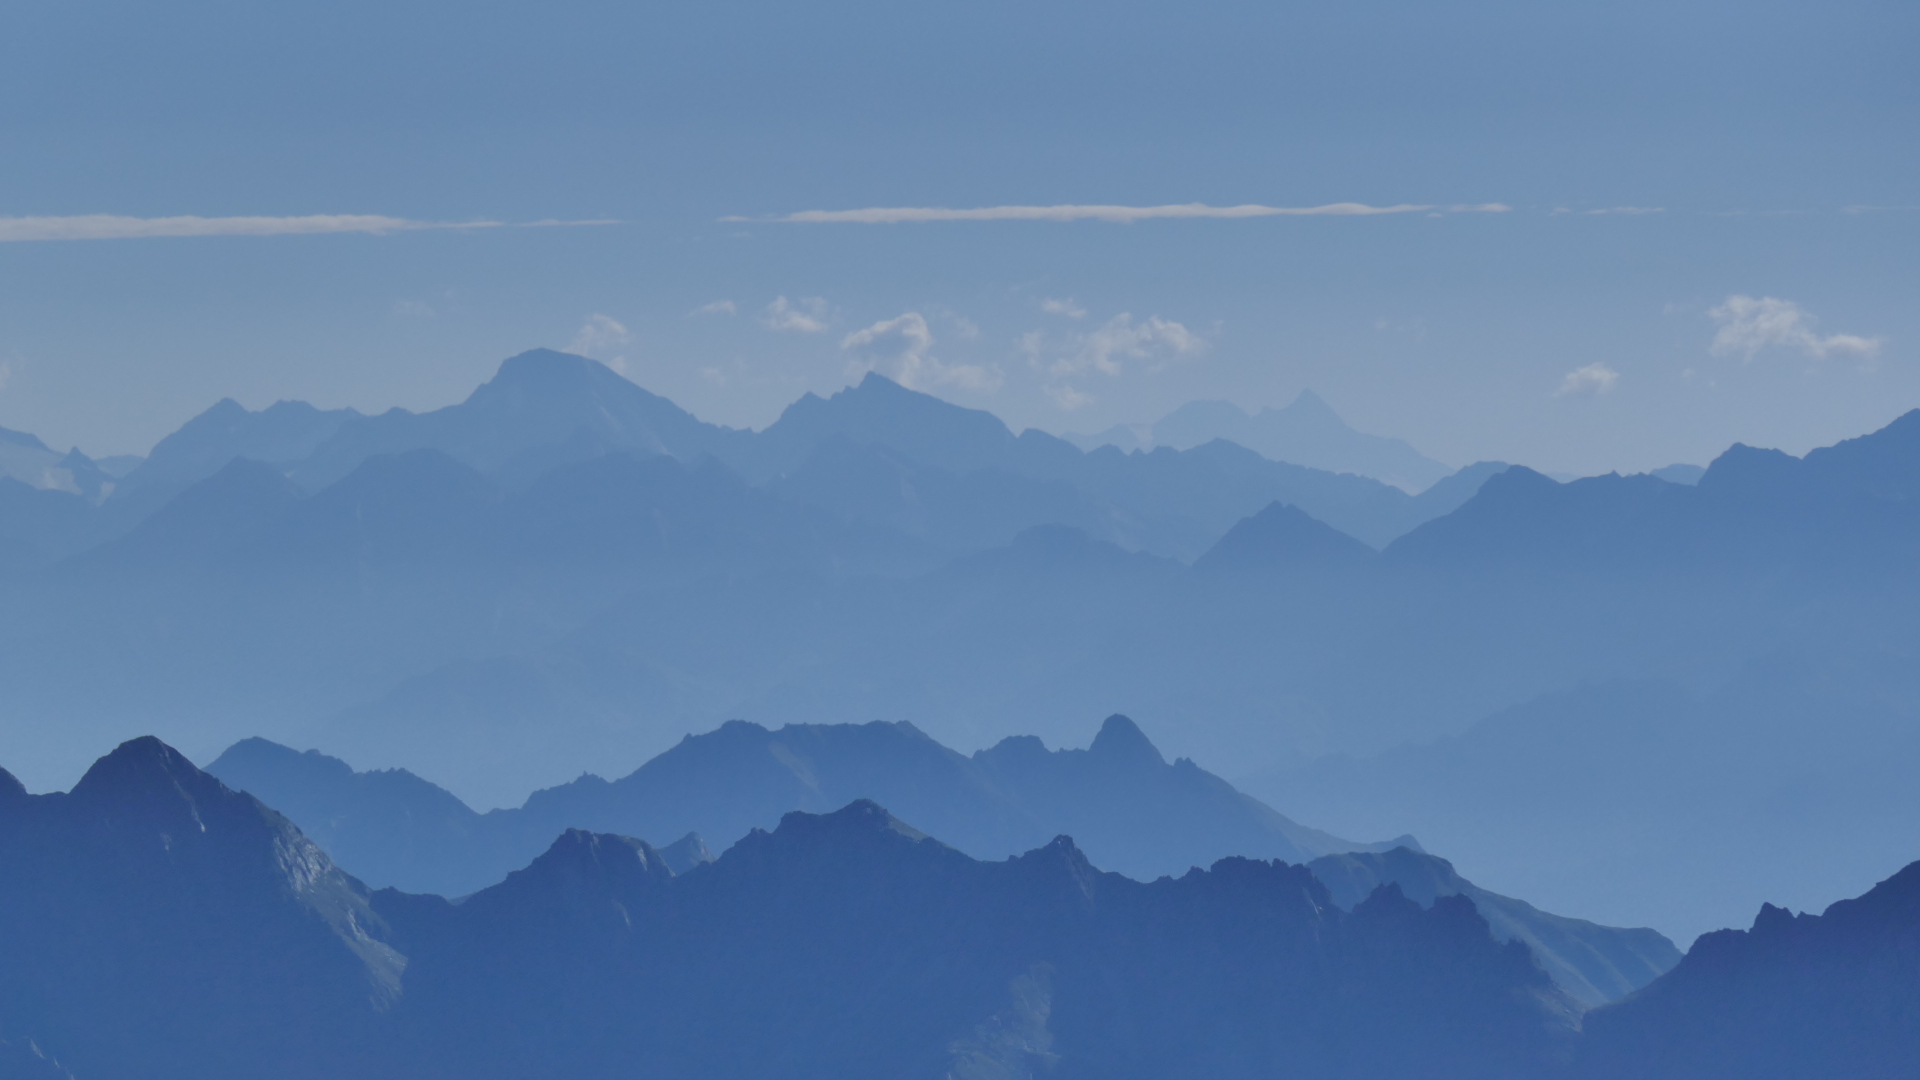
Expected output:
(1283, 536)
(1121, 740)
(881, 411)
(147, 775)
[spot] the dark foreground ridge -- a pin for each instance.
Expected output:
(158, 924)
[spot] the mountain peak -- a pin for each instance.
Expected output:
(1309, 405)
(545, 367)
(1121, 739)
(861, 817)
(142, 763)
(1283, 535)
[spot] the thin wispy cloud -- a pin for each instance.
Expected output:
(1125, 215)
(1063, 307)
(1749, 325)
(901, 348)
(119, 227)
(1589, 381)
(717, 307)
(1629, 211)
(808, 315)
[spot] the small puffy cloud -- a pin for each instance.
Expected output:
(1063, 307)
(602, 339)
(901, 348)
(1107, 349)
(1589, 381)
(718, 307)
(1748, 325)
(1067, 397)
(808, 315)
(1120, 338)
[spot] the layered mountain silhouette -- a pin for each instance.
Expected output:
(160, 924)
(525, 587)
(1130, 808)
(1307, 432)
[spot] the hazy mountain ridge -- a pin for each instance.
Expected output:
(1306, 432)
(694, 596)
(1134, 812)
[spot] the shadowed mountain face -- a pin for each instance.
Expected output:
(160, 925)
(1132, 811)
(852, 945)
(157, 923)
(1593, 964)
(1836, 994)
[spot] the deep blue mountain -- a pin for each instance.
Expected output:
(1795, 996)
(159, 924)
(1593, 964)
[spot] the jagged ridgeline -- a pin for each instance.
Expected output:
(1128, 808)
(158, 924)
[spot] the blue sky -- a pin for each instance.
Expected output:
(1752, 136)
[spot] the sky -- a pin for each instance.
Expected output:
(1580, 236)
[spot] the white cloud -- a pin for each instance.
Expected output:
(806, 316)
(1125, 215)
(1627, 210)
(1748, 325)
(1067, 397)
(1120, 338)
(1591, 380)
(1063, 307)
(718, 307)
(602, 339)
(118, 227)
(901, 348)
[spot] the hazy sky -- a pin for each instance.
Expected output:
(1623, 234)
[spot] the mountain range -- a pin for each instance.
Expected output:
(1307, 432)
(1129, 809)
(498, 604)
(160, 924)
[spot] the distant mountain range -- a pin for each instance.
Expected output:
(159, 924)
(521, 588)
(1307, 432)
(1129, 808)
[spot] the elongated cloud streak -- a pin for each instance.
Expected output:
(1125, 215)
(119, 227)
